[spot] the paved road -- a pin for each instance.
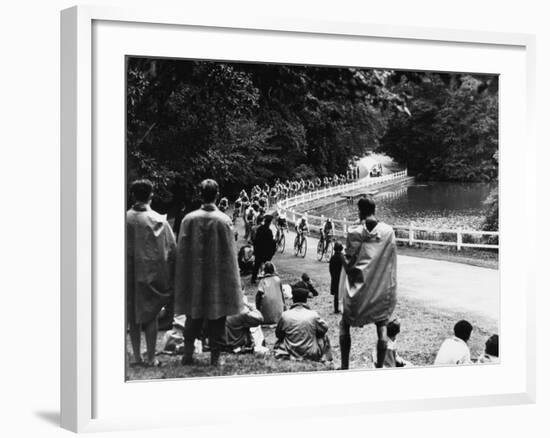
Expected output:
(445, 285)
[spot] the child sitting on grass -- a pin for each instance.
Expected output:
(392, 358)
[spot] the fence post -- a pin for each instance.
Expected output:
(411, 234)
(458, 239)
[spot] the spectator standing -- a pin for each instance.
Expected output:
(264, 245)
(335, 267)
(207, 284)
(368, 288)
(150, 254)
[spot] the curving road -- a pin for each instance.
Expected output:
(445, 285)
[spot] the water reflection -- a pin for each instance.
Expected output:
(431, 204)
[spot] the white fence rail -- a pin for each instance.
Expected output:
(409, 234)
(334, 190)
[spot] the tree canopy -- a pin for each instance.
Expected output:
(250, 123)
(452, 131)
(246, 124)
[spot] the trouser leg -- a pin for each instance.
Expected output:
(191, 331)
(135, 339)
(345, 343)
(336, 308)
(257, 264)
(326, 350)
(217, 339)
(151, 331)
(382, 345)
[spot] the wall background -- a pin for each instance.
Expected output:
(29, 217)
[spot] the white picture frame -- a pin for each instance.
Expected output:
(81, 204)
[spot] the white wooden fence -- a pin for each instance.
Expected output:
(409, 234)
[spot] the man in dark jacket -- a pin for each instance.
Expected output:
(335, 268)
(264, 245)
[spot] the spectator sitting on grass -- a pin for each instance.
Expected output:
(270, 300)
(392, 358)
(238, 329)
(305, 283)
(491, 351)
(301, 333)
(245, 258)
(455, 350)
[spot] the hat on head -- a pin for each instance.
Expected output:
(305, 276)
(300, 295)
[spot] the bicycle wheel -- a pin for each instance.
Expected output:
(281, 243)
(303, 248)
(296, 245)
(320, 248)
(329, 251)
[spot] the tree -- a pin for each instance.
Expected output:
(452, 133)
(245, 124)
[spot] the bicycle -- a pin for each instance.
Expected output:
(325, 249)
(300, 245)
(280, 239)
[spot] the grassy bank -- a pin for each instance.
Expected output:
(469, 256)
(423, 330)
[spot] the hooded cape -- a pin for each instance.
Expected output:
(207, 283)
(369, 289)
(150, 256)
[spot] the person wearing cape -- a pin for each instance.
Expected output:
(368, 282)
(207, 283)
(150, 256)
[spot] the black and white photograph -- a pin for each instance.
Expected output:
(289, 218)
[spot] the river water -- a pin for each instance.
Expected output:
(426, 204)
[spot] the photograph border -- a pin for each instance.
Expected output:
(78, 198)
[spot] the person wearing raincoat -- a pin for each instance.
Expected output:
(207, 281)
(368, 282)
(150, 255)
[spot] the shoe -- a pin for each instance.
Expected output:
(187, 360)
(214, 358)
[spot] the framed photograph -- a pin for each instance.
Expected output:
(324, 213)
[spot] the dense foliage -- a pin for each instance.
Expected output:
(244, 124)
(452, 132)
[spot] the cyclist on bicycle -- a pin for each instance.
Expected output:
(302, 226)
(280, 225)
(327, 232)
(237, 209)
(274, 193)
(281, 220)
(249, 219)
